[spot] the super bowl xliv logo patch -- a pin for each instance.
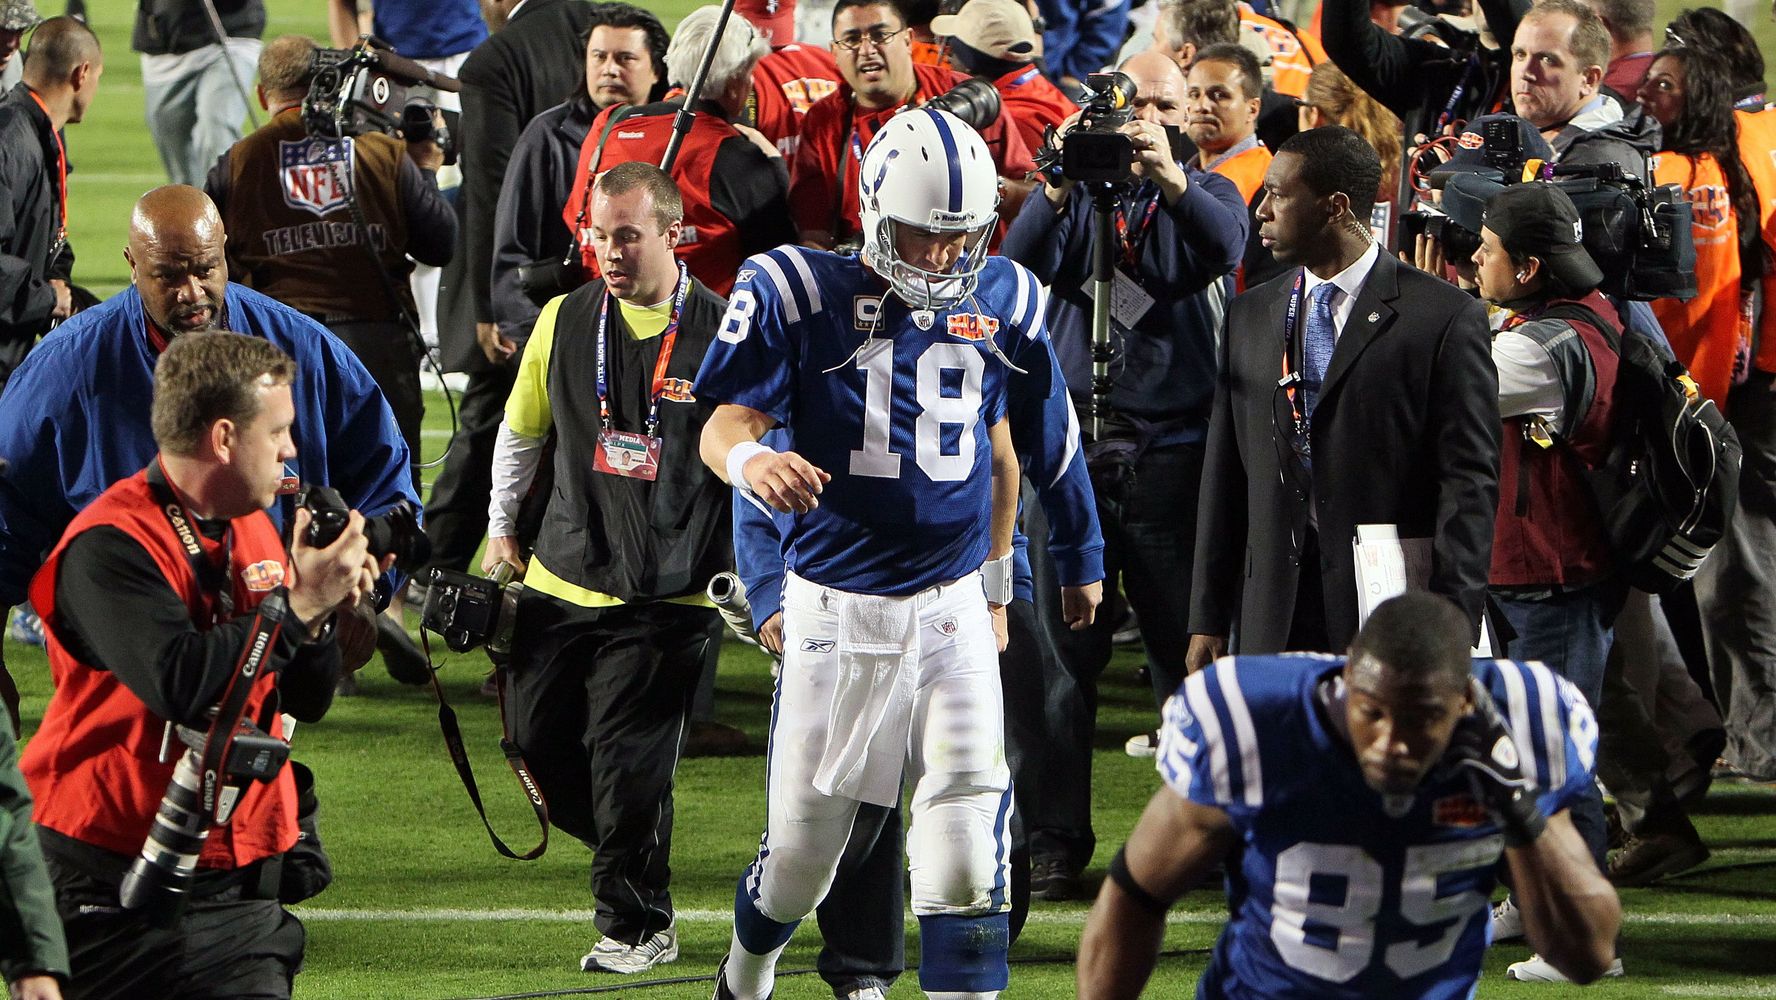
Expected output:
(1471, 140)
(263, 576)
(678, 390)
(315, 174)
(1460, 810)
(972, 326)
(1710, 204)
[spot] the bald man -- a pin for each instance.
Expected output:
(75, 418)
(35, 262)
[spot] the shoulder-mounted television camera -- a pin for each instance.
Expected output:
(364, 89)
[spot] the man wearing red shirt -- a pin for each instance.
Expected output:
(787, 82)
(996, 40)
(880, 79)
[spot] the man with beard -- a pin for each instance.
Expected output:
(74, 419)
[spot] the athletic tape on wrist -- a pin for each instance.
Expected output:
(996, 579)
(738, 456)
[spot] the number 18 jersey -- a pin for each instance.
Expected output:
(1336, 895)
(894, 404)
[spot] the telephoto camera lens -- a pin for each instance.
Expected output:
(157, 882)
(975, 101)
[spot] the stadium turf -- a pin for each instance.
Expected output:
(422, 906)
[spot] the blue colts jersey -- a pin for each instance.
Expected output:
(1335, 896)
(895, 405)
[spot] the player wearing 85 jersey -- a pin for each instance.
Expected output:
(1367, 801)
(903, 483)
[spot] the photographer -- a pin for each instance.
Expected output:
(613, 623)
(1551, 561)
(156, 601)
(880, 79)
(1179, 231)
(996, 41)
(287, 199)
(733, 182)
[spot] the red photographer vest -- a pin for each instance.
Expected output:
(710, 245)
(1547, 530)
(93, 765)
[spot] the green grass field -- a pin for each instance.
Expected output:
(423, 907)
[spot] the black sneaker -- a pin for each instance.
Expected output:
(721, 983)
(400, 654)
(1053, 879)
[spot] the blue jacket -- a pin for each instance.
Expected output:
(1082, 35)
(75, 418)
(1165, 375)
(1045, 432)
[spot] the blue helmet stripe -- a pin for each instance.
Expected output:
(951, 157)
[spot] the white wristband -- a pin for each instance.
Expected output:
(996, 580)
(738, 456)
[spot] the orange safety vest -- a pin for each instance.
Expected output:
(1708, 332)
(1293, 54)
(1757, 148)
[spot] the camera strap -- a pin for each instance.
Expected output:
(213, 578)
(459, 756)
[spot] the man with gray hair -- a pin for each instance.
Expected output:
(734, 183)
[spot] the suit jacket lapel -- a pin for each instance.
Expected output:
(1371, 314)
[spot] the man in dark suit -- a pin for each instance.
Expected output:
(531, 63)
(1386, 413)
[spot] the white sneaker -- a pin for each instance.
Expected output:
(1537, 970)
(611, 955)
(1507, 922)
(1142, 745)
(867, 993)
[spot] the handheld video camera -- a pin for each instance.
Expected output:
(364, 89)
(1094, 149)
(470, 611)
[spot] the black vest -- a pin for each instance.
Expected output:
(632, 539)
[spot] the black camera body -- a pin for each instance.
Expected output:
(364, 89)
(975, 101)
(1458, 243)
(1095, 150)
(470, 611)
(395, 532)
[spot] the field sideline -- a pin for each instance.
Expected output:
(422, 906)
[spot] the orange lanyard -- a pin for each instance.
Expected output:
(61, 176)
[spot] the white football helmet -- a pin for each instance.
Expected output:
(927, 170)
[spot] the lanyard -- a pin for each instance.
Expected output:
(62, 181)
(1025, 77)
(1131, 241)
(209, 576)
(666, 341)
(1291, 379)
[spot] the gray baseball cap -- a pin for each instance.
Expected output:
(18, 15)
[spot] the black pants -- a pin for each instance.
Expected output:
(598, 699)
(456, 512)
(224, 945)
(862, 917)
(387, 350)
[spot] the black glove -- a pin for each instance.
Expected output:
(1482, 748)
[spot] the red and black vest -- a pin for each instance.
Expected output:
(94, 765)
(1548, 530)
(710, 245)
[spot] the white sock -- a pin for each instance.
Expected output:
(986, 995)
(749, 976)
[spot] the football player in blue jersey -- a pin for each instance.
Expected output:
(1362, 804)
(903, 485)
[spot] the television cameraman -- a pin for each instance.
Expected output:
(155, 603)
(1180, 230)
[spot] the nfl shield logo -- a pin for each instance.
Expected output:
(315, 174)
(949, 626)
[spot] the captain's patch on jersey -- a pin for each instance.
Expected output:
(972, 326)
(1460, 811)
(866, 312)
(315, 174)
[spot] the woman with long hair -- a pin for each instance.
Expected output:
(1332, 99)
(1691, 95)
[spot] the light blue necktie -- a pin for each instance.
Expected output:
(1317, 343)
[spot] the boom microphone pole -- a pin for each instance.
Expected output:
(681, 121)
(209, 8)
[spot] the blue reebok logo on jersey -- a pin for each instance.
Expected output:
(817, 645)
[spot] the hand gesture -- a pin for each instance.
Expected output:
(785, 480)
(1484, 750)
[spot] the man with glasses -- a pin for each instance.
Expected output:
(880, 79)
